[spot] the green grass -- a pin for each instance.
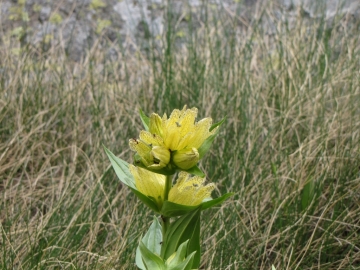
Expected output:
(289, 148)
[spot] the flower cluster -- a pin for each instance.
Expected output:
(173, 141)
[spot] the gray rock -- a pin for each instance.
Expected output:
(44, 13)
(77, 24)
(132, 14)
(329, 8)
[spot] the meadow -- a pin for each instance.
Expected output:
(289, 149)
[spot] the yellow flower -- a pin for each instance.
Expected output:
(149, 183)
(175, 139)
(190, 190)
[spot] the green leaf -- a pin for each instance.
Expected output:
(121, 168)
(179, 262)
(211, 203)
(153, 237)
(194, 243)
(171, 209)
(307, 194)
(138, 259)
(185, 265)
(151, 260)
(145, 120)
(149, 201)
(273, 267)
(152, 240)
(179, 255)
(217, 124)
(204, 148)
(196, 171)
(184, 228)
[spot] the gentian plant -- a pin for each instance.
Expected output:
(165, 176)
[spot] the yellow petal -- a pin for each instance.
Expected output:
(172, 138)
(190, 191)
(156, 125)
(200, 134)
(171, 132)
(187, 121)
(149, 183)
(143, 150)
(173, 119)
(161, 156)
(177, 126)
(150, 139)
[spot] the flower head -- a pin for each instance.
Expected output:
(174, 140)
(190, 190)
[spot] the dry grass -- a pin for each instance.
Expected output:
(289, 148)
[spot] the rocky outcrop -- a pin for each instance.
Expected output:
(328, 8)
(76, 25)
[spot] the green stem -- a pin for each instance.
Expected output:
(168, 184)
(166, 220)
(165, 225)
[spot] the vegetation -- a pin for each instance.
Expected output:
(290, 147)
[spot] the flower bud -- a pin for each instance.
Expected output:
(186, 158)
(161, 156)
